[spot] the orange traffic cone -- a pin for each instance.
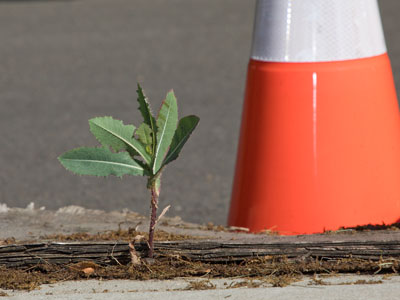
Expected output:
(320, 138)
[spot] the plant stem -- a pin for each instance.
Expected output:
(154, 203)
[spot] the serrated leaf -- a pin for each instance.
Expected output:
(100, 162)
(166, 126)
(145, 110)
(113, 133)
(144, 134)
(185, 128)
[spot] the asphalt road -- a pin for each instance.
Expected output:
(63, 62)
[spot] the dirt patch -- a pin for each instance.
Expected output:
(200, 285)
(277, 271)
(319, 281)
(118, 235)
(371, 227)
(383, 228)
(8, 241)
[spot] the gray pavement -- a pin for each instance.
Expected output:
(349, 287)
(63, 62)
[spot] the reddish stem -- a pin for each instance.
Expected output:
(154, 201)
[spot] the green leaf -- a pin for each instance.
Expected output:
(145, 110)
(144, 134)
(166, 126)
(100, 162)
(185, 128)
(113, 133)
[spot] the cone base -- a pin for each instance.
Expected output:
(319, 147)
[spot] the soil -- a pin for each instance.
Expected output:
(277, 271)
(371, 227)
(118, 235)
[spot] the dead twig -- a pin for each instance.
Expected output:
(135, 258)
(112, 254)
(161, 215)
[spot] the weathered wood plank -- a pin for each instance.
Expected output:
(206, 251)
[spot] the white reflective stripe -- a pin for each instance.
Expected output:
(317, 30)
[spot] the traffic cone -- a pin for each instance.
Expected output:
(320, 136)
